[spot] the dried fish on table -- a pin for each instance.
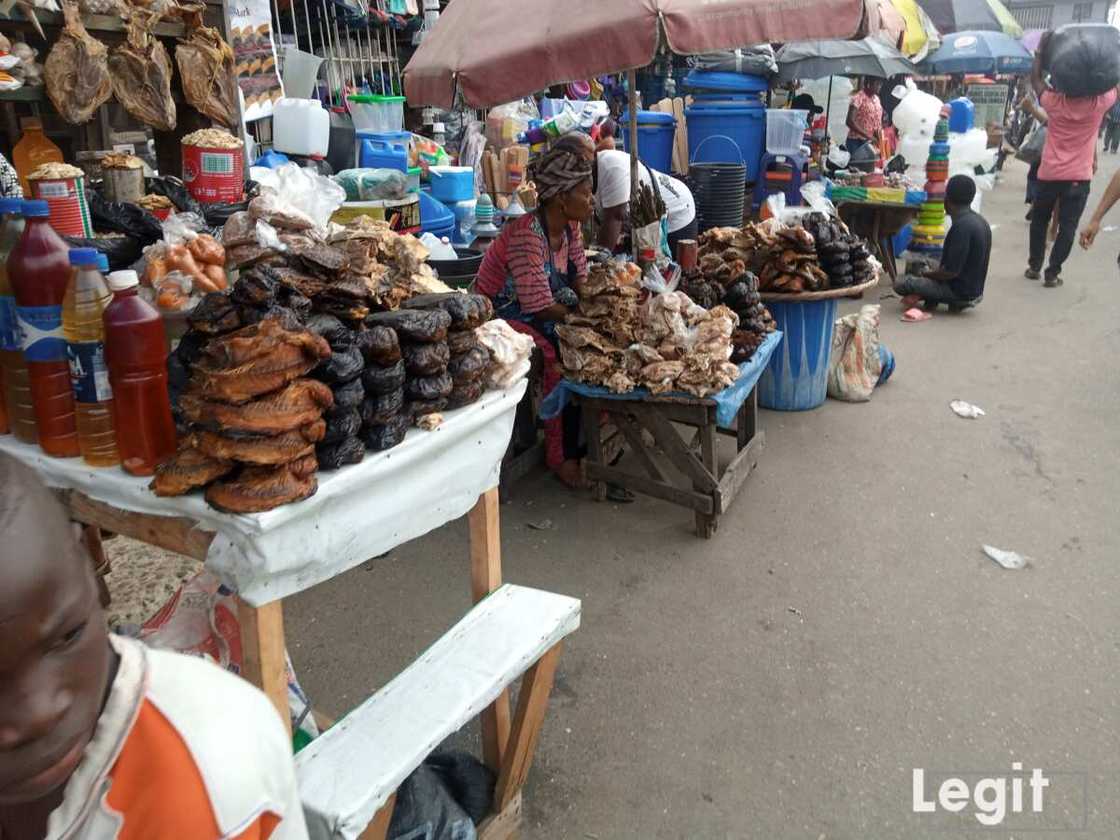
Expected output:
(257, 489)
(141, 72)
(77, 70)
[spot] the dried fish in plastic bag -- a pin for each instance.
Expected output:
(77, 70)
(141, 73)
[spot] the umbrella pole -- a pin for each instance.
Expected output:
(632, 91)
(828, 111)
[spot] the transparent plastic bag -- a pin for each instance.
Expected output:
(314, 195)
(181, 228)
(369, 184)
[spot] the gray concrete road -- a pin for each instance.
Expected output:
(784, 679)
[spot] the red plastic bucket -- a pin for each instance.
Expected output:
(214, 176)
(66, 198)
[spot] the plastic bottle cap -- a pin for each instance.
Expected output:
(36, 209)
(121, 280)
(11, 205)
(83, 256)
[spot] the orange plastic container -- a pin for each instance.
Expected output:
(32, 150)
(39, 271)
(136, 353)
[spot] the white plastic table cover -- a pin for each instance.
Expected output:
(359, 512)
(350, 771)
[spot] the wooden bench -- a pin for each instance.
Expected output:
(349, 775)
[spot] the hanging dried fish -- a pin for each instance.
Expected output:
(206, 67)
(77, 70)
(141, 72)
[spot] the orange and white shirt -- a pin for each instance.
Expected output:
(182, 751)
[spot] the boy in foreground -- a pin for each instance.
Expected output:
(959, 280)
(101, 737)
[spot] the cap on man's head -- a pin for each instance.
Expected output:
(960, 191)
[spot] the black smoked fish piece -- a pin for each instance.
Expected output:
(413, 324)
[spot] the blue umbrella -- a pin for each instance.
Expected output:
(978, 52)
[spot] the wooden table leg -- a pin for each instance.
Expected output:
(706, 523)
(747, 423)
(593, 433)
(262, 653)
(486, 576)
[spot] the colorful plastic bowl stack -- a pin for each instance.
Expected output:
(929, 232)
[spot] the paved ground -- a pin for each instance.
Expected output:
(843, 628)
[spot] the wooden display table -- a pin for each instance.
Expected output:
(878, 223)
(358, 512)
(705, 488)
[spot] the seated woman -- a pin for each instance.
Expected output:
(531, 273)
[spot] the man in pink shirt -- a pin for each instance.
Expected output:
(1068, 161)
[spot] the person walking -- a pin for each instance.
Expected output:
(1112, 129)
(1068, 162)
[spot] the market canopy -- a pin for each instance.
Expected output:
(969, 15)
(820, 59)
(496, 51)
(979, 52)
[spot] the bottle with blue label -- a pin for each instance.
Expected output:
(82, 310)
(11, 347)
(39, 272)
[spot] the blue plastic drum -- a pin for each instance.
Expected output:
(796, 379)
(656, 132)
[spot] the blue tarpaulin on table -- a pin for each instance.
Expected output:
(728, 401)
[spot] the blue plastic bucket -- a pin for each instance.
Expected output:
(745, 125)
(655, 138)
(796, 379)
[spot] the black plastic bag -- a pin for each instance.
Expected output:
(349, 450)
(121, 251)
(214, 214)
(1083, 59)
(426, 807)
(118, 217)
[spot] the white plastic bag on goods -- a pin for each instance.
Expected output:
(316, 195)
(855, 365)
(201, 620)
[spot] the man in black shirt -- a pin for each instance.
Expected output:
(959, 280)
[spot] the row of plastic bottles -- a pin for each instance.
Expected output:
(82, 363)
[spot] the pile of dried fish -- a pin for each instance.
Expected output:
(254, 418)
(783, 256)
(667, 343)
(845, 257)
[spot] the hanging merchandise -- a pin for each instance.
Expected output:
(141, 73)
(205, 63)
(77, 70)
(250, 31)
